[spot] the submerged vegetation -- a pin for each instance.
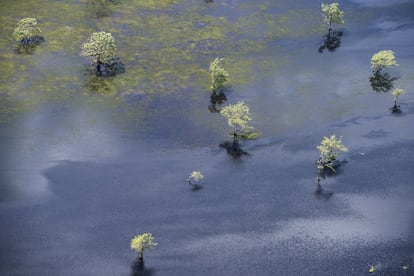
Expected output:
(396, 93)
(332, 14)
(28, 35)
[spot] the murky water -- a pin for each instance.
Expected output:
(87, 162)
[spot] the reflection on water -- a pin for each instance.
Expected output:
(331, 41)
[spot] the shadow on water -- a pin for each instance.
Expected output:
(28, 46)
(331, 41)
(382, 81)
(216, 100)
(321, 193)
(138, 269)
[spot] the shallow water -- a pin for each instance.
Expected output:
(87, 163)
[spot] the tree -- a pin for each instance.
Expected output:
(141, 242)
(218, 76)
(330, 149)
(238, 116)
(26, 32)
(195, 175)
(396, 93)
(100, 51)
(332, 14)
(381, 62)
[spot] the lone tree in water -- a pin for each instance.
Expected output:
(396, 93)
(196, 176)
(238, 116)
(332, 14)
(100, 51)
(329, 149)
(27, 33)
(141, 242)
(219, 76)
(381, 62)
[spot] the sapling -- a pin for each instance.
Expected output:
(141, 242)
(219, 76)
(332, 14)
(194, 176)
(330, 149)
(27, 32)
(397, 92)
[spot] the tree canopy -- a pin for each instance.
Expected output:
(100, 48)
(141, 242)
(218, 75)
(238, 116)
(330, 149)
(26, 29)
(332, 14)
(382, 60)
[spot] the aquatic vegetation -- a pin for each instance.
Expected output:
(142, 242)
(330, 149)
(238, 116)
(382, 60)
(194, 176)
(100, 50)
(396, 93)
(219, 76)
(26, 31)
(332, 14)
(382, 80)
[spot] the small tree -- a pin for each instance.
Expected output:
(219, 76)
(141, 242)
(26, 32)
(196, 176)
(100, 50)
(396, 93)
(332, 14)
(382, 60)
(330, 149)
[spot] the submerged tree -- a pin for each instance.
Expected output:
(332, 14)
(396, 93)
(330, 149)
(100, 51)
(219, 76)
(141, 242)
(27, 34)
(196, 176)
(381, 79)
(238, 116)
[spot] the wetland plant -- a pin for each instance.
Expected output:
(238, 116)
(381, 63)
(219, 76)
(27, 34)
(332, 14)
(141, 242)
(195, 176)
(330, 149)
(101, 8)
(396, 93)
(100, 52)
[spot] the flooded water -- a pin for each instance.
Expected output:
(88, 162)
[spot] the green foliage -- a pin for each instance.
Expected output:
(329, 149)
(100, 48)
(196, 176)
(26, 29)
(371, 269)
(238, 116)
(218, 75)
(141, 242)
(397, 92)
(382, 60)
(332, 14)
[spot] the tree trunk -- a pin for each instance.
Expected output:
(141, 256)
